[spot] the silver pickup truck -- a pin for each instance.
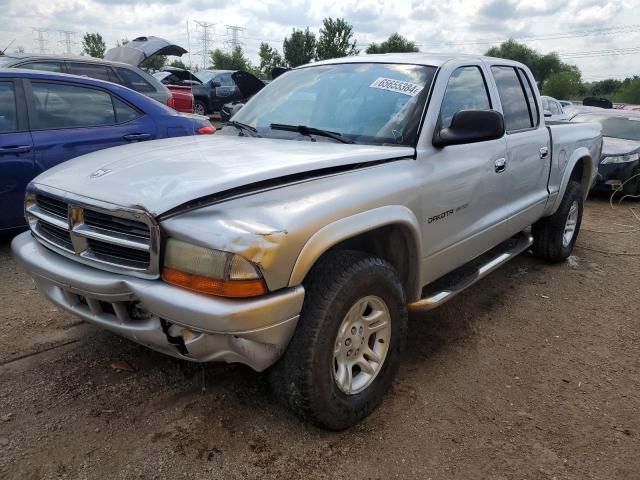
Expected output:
(342, 196)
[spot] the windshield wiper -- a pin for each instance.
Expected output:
(244, 127)
(304, 130)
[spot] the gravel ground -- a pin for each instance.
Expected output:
(532, 373)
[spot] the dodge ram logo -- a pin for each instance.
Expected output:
(99, 173)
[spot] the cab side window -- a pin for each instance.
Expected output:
(43, 66)
(135, 81)
(59, 105)
(466, 90)
(8, 112)
(101, 72)
(515, 105)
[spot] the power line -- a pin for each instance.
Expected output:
(205, 29)
(42, 40)
(234, 40)
(67, 39)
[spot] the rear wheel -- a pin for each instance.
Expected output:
(346, 350)
(199, 107)
(555, 236)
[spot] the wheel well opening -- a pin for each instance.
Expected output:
(393, 243)
(581, 173)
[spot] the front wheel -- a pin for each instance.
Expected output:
(346, 350)
(199, 107)
(555, 236)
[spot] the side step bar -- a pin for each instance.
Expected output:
(448, 286)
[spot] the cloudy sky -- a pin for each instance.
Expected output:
(602, 37)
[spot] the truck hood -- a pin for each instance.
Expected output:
(161, 175)
(139, 49)
(618, 146)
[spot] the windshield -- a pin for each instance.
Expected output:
(4, 60)
(205, 75)
(371, 103)
(627, 128)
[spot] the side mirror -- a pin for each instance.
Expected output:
(215, 84)
(547, 113)
(469, 126)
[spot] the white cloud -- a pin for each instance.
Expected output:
(462, 25)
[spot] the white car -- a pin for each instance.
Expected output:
(553, 110)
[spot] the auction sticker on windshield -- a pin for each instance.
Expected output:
(398, 86)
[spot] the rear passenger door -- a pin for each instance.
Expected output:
(16, 153)
(528, 149)
(69, 120)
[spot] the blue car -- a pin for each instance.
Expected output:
(48, 118)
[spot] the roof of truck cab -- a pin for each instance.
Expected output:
(416, 58)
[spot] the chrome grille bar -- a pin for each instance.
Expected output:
(104, 235)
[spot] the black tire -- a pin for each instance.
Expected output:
(548, 232)
(303, 378)
(199, 104)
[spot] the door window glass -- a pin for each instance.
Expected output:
(555, 108)
(512, 96)
(43, 66)
(135, 81)
(466, 90)
(101, 72)
(124, 112)
(63, 106)
(8, 113)
(531, 98)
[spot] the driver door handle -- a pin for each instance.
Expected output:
(500, 165)
(544, 151)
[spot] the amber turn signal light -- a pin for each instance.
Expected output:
(211, 286)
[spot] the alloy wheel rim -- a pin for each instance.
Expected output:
(571, 224)
(361, 345)
(199, 109)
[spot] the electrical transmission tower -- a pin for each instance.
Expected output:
(206, 31)
(42, 40)
(234, 38)
(67, 39)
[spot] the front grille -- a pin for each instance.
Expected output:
(56, 235)
(115, 253)
(110, 237)
(114, 224)
(53, 206)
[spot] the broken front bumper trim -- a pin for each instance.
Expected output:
(150, 312)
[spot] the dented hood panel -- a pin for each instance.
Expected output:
(165, 174)
(139, 49)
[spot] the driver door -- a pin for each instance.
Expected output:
(464, 195)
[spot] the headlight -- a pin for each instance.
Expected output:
(631, 157)
(209, 271)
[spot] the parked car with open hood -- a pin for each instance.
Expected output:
(620, 161)
(249, 87)
(344, 194)
(218, 87)
(48, 118)
(120, 65)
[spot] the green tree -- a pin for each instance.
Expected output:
(564, 84)
(336, 40)
(120, 43)
(629, 92)
(542, 66)
(236, 60)
(269, 58)
(154, 62)
(395, 43)
(93, 45)
(299, 48)
(179, 64)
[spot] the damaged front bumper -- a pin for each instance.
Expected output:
(170, 320)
